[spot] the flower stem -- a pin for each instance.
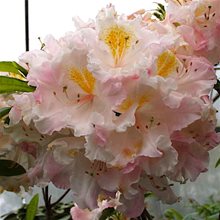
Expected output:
(47, 200)
(216, 98)
(65, 193)
(48, 204)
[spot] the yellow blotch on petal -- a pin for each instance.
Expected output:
(102, 197)
(166, 64)
(143, 99)
(138, 146)
(72, 153)
(126, 104)
(118, 40)
(84, 79)
(200, 10)
(128, 152)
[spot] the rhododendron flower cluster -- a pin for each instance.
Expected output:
(121, 107)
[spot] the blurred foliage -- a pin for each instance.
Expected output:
(206, 211)
(61, 211)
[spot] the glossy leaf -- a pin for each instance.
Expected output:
(32, 208)
(9, 67)
(11, 85)
(10, 168)
(4, 111)
(20, 68)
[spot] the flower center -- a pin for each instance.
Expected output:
(118, 40)
(204, 14)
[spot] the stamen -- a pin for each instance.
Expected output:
(65, 91)
(159, 187)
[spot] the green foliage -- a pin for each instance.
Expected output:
(172, 214)
(4, 111)
(106, 213)
(9, 67)
(32, 208)
(12, 67)
(61, 211)
(20, 68)
(111, 214)
(160, 12)
(207, 211)
(10, 168)
(11, 85)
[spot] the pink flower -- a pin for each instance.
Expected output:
(95, 214)
(198, 23)
(121, 106)
(64, 83)
(192, 144)
(116, 45)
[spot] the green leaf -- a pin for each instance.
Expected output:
(106, 213)
(20, 68)
(4, 111)
(217, 163)
(161, 6)
(217, 129)
(172, 214)
(12, 67)
(10, 168)
(160, 12)
(32, 208)
(6, 66)
(10, 85)
(157, 15)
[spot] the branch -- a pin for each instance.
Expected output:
(145, 215)
(55, 203)
(216, 98)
